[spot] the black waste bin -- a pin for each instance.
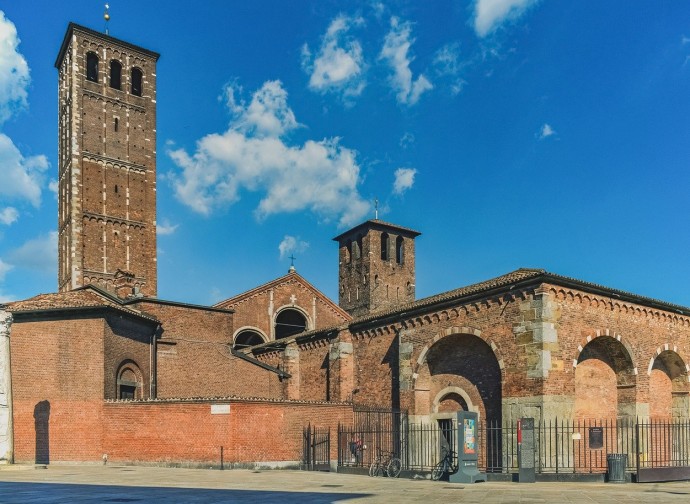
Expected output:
(616, 463)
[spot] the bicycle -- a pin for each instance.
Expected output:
(385, 462)
(446, 465)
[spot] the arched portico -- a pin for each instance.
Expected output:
(605, 380)
(668, 385)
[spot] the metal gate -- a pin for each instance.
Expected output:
(316, 448)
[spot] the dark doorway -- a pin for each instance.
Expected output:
(41, 426)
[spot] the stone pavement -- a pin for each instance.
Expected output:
(132, 484)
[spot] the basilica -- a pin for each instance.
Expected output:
(104, 367)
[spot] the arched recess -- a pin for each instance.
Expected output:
(605, 380)
(247, 337)
(129, 381)
(668, 386)
(290, 321)
(461, 364)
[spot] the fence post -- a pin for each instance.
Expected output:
(637, 446)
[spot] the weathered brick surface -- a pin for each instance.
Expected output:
(107, 165)
(257, 309)
(188, 432)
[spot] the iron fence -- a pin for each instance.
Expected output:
(316, 448)
(561, 445)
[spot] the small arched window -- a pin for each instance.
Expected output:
(399, 250)
(129, 381)
(289, 322)
(136, 81)
(92, 67)
(115, 74)
(385, 246)
(247, 338)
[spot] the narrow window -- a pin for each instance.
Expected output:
(115, 189)
(136, 81)
(117, 123)
(115, 74)
(92, 67)
(399, 257)
(385, 244)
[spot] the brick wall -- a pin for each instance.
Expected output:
(57, 392)
(181, 432)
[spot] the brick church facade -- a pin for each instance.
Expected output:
(105, 367)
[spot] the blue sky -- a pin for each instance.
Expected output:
(511, 133)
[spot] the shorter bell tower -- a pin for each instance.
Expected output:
(376, 267)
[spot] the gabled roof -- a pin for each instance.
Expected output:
(292, 276)
(84, 298)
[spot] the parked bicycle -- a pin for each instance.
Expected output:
(387, 463)
(448, 464)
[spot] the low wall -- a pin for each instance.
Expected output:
(188, 433)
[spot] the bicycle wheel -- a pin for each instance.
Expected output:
(394, 467)
(375, 469)
(438, 471)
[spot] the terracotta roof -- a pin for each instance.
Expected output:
(81, 298)
(519, 276)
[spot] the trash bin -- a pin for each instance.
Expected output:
(616, 463)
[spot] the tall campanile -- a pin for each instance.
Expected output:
(106, 162)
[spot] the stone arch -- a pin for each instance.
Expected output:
(247, 336)
(668, 384)
(455, 395)
(605, 378)
(460, 358)
(458, 330)
(290, 320)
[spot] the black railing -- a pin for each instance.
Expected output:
(561, 446)
(316, 448)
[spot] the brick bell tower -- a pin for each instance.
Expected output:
(376, 267)
(106, 161)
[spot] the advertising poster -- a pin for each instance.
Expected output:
(470, 447)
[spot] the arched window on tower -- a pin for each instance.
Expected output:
(137, 77)
(115, 74)
(290, 322)
(247, 338)
(92, 67)
(385, 246)
(399, 250)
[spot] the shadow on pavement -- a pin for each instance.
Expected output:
(37, 493)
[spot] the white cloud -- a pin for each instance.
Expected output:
(396, 47)
(4, 268)
(447, 59)
(490, 14)
(545, 132)
(253, 154)
(14, 71)
(22, 177)
(8, 215)
(339, 64)
(291, 244)
(404, 180)
(37, 254)
(406, 140)
(165, 228)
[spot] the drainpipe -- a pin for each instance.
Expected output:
(153, 364)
